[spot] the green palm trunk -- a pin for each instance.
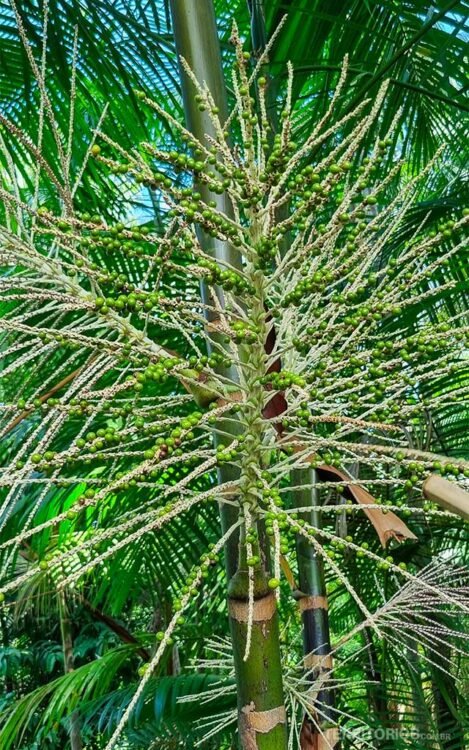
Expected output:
(261, 712)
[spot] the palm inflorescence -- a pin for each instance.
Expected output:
(274, 330)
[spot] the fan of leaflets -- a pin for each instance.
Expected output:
(93, 306)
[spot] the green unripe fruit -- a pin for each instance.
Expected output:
(273, 583)
(252, 561)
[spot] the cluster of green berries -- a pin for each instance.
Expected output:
(244, 332)
(165, 446)
(127, 303)
(79, 407)
(189, 203)
(317, 282)
(266, 251)
(415, 467)
(37, 403)
(102, 438)
(190, 587)
(304, 416)
(308, 188)
(278, 157)
(328, 457)
(214, 360)
(446, 228)
(228, 280)
(131, 242)
(44, 462)
(155, 372)
(338, 547)
(225, 455)
(308, 181)
(280, 381)
(59, 339)
(279, 518)
(207, 560)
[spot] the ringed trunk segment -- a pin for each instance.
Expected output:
(261, 711)
(313, 605)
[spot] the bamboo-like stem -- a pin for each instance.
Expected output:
(261, 711)
(310, 567)
(196, 38)
(67, 648)
(312, 598)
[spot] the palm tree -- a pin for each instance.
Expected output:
(249, 578)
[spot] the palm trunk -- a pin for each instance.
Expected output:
(67, 647)
(261, 714)
(196, 40)
(261, 711)
(312, 596)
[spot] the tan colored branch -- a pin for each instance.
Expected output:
(447, 495)
(387, 525)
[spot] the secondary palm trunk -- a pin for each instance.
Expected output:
(312, 598)
(196, 38)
